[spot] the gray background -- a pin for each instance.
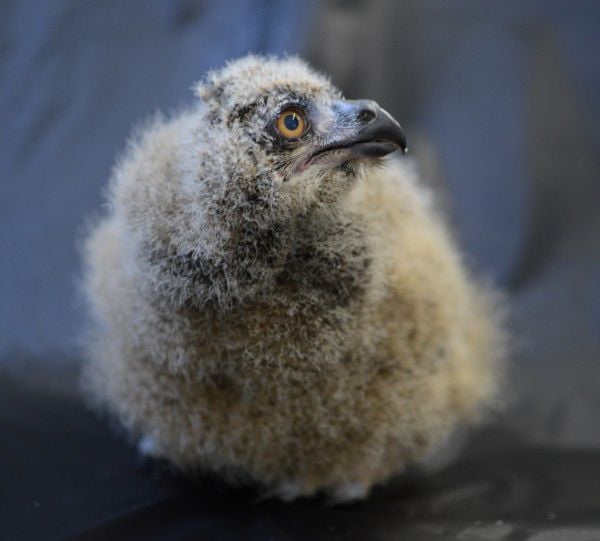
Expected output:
(500, 101)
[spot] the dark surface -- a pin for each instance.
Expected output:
(501, 105)
(65, 474)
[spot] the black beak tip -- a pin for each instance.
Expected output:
(385, 127)
(402, 143)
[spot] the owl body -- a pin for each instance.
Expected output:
(317, 350)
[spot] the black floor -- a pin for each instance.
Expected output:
(66, 474)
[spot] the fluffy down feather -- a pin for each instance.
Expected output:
(304, 330)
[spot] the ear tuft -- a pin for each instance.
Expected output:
(209, 91)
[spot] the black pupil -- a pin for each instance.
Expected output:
(291, 121)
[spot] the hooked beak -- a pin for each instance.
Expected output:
(367, 131)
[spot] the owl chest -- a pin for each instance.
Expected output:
(305, 315)
(333, 274)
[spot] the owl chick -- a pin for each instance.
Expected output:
(276, 302)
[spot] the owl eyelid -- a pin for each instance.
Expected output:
(296, 107)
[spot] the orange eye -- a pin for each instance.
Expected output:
(291, 123)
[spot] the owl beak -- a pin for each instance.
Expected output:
(379, 133)
(361, 129)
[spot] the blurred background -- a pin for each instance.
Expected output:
(500, 102)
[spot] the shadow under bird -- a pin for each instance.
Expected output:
(277, 301)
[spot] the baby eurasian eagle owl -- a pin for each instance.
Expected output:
(273, 300)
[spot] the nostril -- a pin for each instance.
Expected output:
(366, 115)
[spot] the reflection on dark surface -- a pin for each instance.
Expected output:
(501, 105)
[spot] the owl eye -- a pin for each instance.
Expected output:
(291, 123)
